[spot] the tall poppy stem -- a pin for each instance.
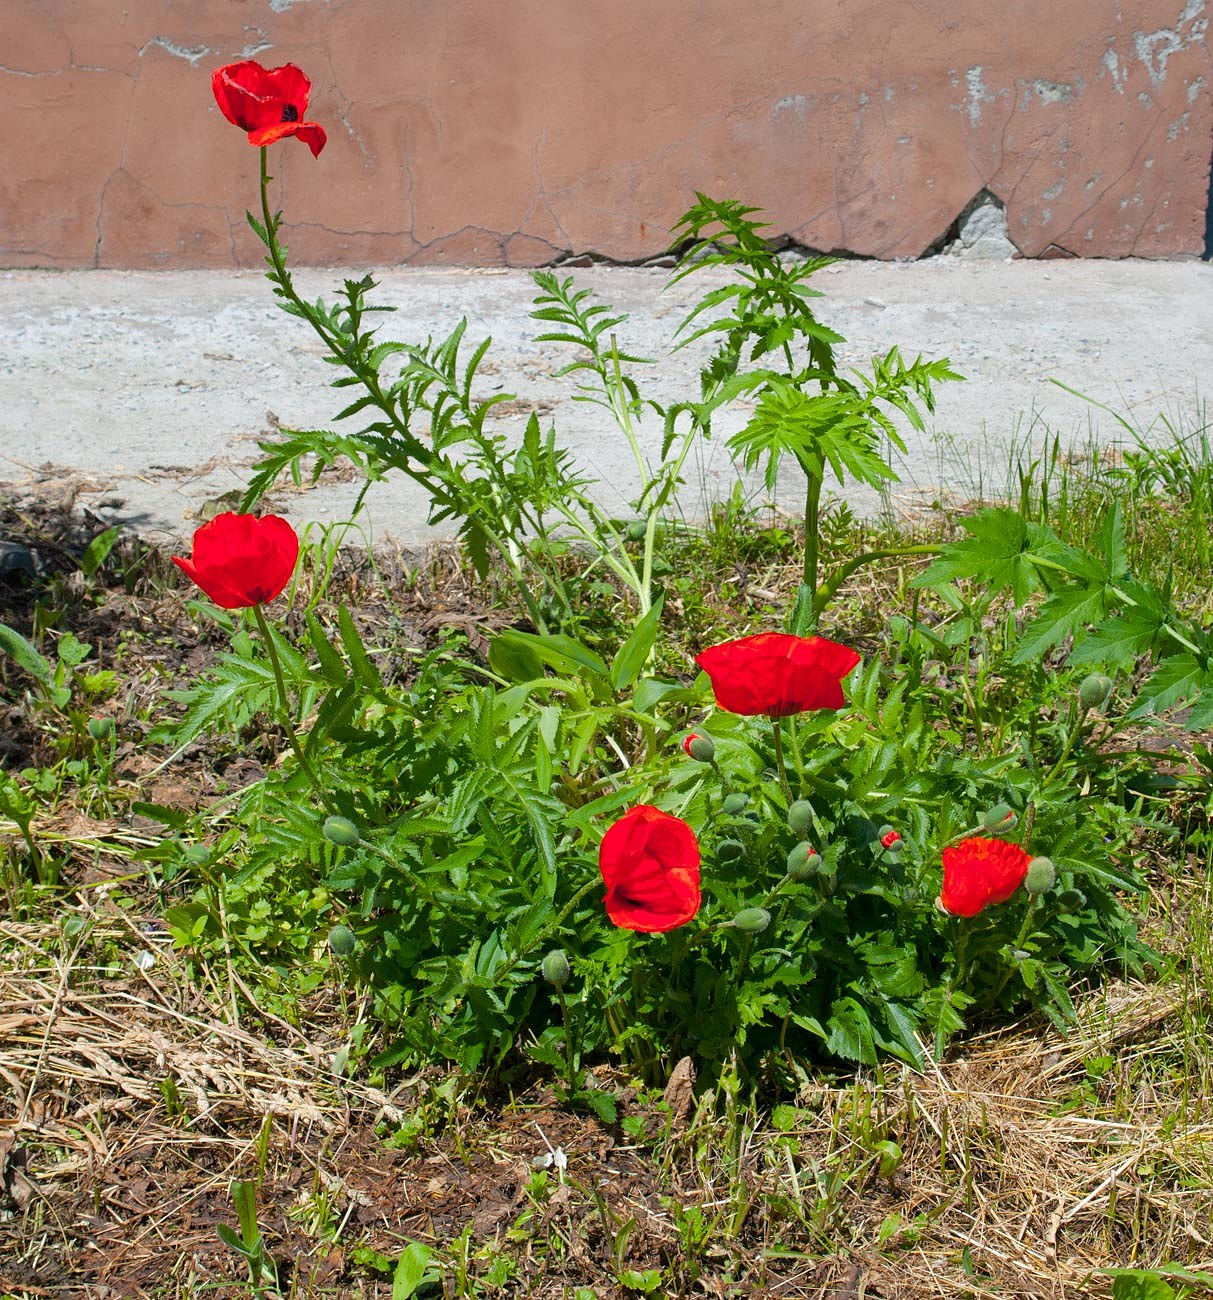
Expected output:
(285, 707)
(780, 765)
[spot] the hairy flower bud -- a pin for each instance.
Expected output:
(752, 920)
(101, 728)
(556, 969)
(890, 839)
(342, 940)
(340, 830)
(701, 748)
(803, 862)
(800, 817)
(1093, 690)
(1041, 877)
(999, 818)
(736, 803)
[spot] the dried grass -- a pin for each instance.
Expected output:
(1020, 1175)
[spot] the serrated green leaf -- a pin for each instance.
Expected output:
(1177, 679)
(1000, 552)
(1066, 613)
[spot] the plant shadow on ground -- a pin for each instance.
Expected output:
(137, 1084)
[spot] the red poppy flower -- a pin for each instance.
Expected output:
(268, 103)
(650, 865)
(978, 872)
(240, 560)
(778, 674)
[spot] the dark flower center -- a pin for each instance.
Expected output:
(290, 113)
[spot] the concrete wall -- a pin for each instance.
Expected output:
(469, 132)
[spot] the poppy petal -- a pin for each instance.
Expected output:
(311, 133)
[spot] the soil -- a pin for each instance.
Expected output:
(135, 1091)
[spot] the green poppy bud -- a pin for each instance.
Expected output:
(101, 728)
(800, 817)
(729, 852)
(340, 830)
(999, 818)
(701, 748)
(752, 920)
(1094, 689)
(1041, 877)
(1070, 900)
(556, 969)
(803, 862)
(635, 531)
(342, 940)
(736, 803)
(197, 854)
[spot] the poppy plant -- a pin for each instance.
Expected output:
(268, 103)
(649, 861)
(979, 872)
(777, 674)
(240, 560)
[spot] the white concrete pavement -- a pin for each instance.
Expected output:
(152, 388)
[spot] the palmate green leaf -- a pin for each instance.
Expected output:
(818, 429)
(1120, 641)
(1000, 551)
(1066, 613)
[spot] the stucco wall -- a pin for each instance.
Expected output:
(463, 131)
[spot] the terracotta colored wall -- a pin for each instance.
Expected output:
(463, 131)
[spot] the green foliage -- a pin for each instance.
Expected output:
(437, 831)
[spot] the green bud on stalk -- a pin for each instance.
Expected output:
(342, 940)
(800, 817)
(340, 830)
(1041, 877)
(752, 920)
(999, 818)
(804, 862)
(101, 728)
(736, 803)
(556, 968)
(729, 851)
(1093, 690)
(701, 748)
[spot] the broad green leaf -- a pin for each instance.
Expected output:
(411, 1270)
(514, 659)
(359, 660)
(98, 550)
(634, 653)
(1139, 1284)
(14, 644)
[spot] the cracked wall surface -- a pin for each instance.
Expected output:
(468, 133)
